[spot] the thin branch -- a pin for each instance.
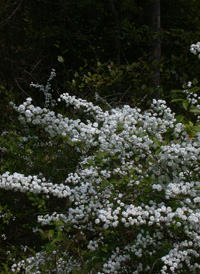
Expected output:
(154, 265)
(20, 87)
(13, 13)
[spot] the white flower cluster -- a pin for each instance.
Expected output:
(75, 130)
(47, 90)
(34, 264)
(54, 217)
(88, 107)
(115, 263)
(33, 184)
(177, 257)
(195, 49)
(134, 197)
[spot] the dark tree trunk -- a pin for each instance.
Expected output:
(117, 33)
(154, 22)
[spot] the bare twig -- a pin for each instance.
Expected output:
(13, 13)
(20, 87)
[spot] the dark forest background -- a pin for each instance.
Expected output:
(97, 46)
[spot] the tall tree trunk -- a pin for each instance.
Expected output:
(117, 33)
(154, 21)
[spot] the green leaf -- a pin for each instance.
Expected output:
(190, 124)
(195, 89)
(51, 232)
(196, 128)
(137, 158)
(144, 87)
(76, 74)
(60, 59)
(195, 81)
(104, 248)
(91, 162)
(76, 271)
(185, 104)
(120, 127)
(195, 110)
(158, 151)
(177, 90)
(150, 159)
(179, 118)
(177, 100)
(157, 142)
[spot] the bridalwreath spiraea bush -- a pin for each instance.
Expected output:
(133, 203)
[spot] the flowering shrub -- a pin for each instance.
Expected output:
(132, 203)
(195, 49)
